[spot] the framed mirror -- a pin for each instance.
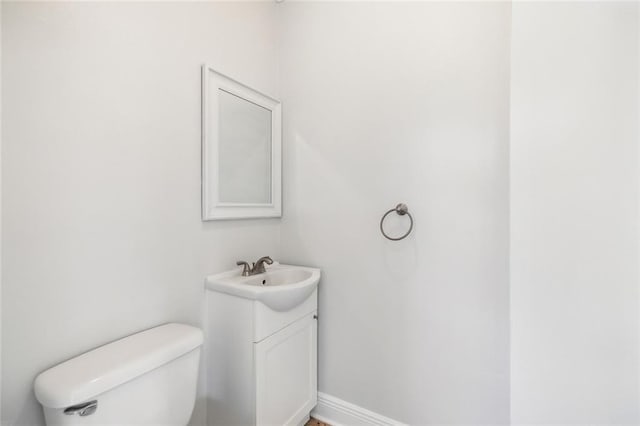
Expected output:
(241, 150)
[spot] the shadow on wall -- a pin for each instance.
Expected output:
(199, 416)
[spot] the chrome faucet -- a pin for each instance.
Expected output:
(256, 267)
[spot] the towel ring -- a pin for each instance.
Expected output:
(401, 209)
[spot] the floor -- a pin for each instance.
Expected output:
(314, 422)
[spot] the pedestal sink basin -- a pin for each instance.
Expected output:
(281, 287)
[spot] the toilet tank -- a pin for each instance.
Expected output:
(148, 378)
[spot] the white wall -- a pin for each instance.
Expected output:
(402, 102)
(1, 120)
(101, 173)
(574, 213)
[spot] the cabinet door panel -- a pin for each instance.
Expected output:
(286, 374)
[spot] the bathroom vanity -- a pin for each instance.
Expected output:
(261, 346)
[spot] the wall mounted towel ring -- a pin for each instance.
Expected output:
(402, 210)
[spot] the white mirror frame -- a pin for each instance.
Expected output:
(212, 208)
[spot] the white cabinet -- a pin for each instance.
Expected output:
(261, 364)
(286, 379)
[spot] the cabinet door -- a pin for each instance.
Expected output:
(286, 374)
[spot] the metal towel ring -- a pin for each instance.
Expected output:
(402, 209)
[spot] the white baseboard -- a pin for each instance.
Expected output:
(337, 412)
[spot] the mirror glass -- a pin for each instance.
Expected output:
(244, 151)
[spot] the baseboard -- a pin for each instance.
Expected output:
(337, 412)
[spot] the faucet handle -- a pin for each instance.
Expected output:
(246, 269)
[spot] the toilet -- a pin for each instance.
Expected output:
(148, 378)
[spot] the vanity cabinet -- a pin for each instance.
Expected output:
(261, 363)
(285, 371)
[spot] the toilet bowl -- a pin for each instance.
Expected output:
(148, 378)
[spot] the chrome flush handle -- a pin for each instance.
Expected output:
(84, 409)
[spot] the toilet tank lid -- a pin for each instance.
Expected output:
(99, 370)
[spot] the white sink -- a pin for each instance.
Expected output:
(281, 287)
